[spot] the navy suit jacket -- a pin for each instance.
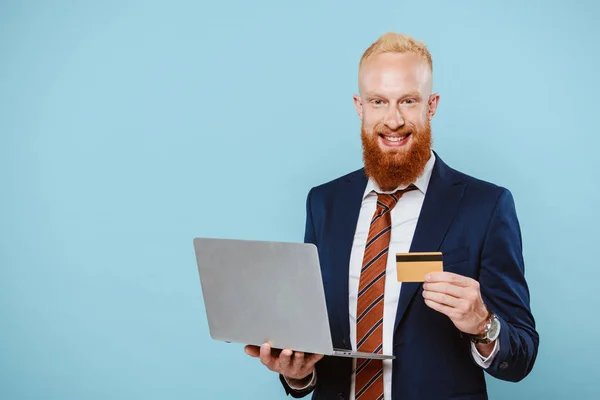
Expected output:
(475, 225)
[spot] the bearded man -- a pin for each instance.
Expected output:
(444, 333)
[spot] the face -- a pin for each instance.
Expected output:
(396, 107)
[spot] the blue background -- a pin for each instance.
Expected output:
(128, 128)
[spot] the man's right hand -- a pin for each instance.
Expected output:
(294, 365)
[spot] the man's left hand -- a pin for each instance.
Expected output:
(459, 298)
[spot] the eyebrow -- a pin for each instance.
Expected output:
(370, 95)
(412, 94)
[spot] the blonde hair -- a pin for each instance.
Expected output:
(392, 42)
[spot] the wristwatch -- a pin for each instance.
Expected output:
(490, 332)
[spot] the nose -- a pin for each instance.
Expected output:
(393, 119)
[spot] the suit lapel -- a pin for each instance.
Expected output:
(442, 198)
(346, 210)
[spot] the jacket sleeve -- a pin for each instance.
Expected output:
(309, 237)
(309, 230)
(505, 291)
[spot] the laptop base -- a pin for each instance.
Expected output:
(358, 354)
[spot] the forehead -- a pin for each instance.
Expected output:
(395, 73)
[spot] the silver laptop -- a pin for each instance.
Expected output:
(256, 292)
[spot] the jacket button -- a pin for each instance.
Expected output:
(341, 396)
(503, 365)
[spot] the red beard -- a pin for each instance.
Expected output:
(393, 168)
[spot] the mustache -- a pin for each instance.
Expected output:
(401, 131)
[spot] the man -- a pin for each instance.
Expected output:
(473, 317)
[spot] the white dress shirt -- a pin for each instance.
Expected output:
(404, 222)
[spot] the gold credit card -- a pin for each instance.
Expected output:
(412, 267)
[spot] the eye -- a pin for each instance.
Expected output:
(377, 102)
(409, 101)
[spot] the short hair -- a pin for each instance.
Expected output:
(392, 42)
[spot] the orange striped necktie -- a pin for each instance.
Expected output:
(369, 310)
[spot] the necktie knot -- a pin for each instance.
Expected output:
(387, 201)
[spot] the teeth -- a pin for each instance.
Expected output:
(395, 138)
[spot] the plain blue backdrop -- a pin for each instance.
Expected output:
(128, 128)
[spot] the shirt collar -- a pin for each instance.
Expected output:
(422, 182)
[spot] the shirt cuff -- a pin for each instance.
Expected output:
(485, 362)
(313, 382)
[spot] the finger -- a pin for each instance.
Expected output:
(441, 298)
(444, 309)
(446, 288)
(265, 356)
(298, 361)
(252, 351)
(285, 360)
(449, 277)
(312, 359)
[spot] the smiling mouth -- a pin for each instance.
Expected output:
(394, 140)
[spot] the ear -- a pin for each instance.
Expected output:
(358, 105)
(434, 101)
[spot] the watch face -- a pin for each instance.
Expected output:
(494, 330)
